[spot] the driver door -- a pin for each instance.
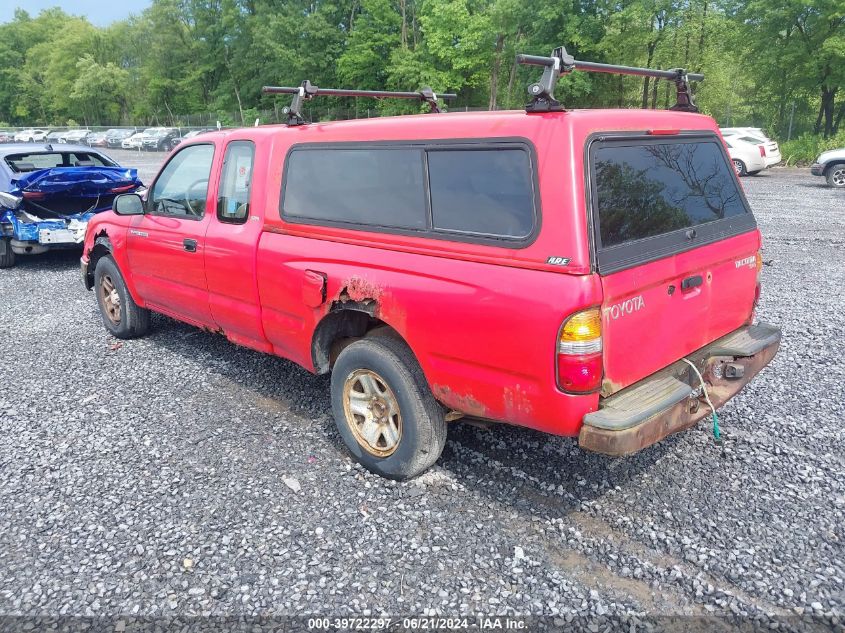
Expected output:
(166, 245)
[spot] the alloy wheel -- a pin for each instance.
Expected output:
(372, 412)
(110, 298)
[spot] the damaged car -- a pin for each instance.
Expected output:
(48, 195)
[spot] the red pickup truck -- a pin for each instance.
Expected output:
(584, 273)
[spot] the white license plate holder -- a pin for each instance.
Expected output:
(55, 236)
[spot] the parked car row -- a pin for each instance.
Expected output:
(160, 139)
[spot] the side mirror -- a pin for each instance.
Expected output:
(128, 204)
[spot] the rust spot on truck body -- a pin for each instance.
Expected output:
(517, 404)
(359, 289)
(465, 403)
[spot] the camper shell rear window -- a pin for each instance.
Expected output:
(653, 197)
(484, 190)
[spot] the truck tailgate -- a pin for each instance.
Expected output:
(677, 251)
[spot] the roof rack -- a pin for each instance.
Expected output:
(562, 63)
(306, 92)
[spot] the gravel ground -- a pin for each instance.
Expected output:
(181, 475)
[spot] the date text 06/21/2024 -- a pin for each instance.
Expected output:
(425, 623)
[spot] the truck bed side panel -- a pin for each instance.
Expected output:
(462, 319)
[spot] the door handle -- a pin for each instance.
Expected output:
(190, 245)
(691, 282)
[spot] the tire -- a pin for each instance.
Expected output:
(835, 175)
(7, 255)
(130, 320)
(418, 425)
(739, 167)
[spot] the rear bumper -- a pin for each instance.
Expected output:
(817, 169)
(672, 400)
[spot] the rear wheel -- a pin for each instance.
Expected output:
(7, 255)
(739, 167)
(384, 410)
(836, 175)
(122, 317)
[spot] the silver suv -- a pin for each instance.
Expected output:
(831, 165)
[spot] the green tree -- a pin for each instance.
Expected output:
(99, 91)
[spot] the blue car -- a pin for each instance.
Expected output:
(48, 193)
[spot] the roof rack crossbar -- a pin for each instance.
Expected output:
(306, 92)
(562, 63)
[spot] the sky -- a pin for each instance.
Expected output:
(98, 12)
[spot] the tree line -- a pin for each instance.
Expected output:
(778, 65)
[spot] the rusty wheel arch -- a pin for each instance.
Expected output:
(102, 246)
(343, 324)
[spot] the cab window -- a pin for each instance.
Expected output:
(182, 187)
(236, 182)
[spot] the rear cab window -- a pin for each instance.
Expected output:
(653, 197)
(478, 192)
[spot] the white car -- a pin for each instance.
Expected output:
(133, 142)
(756, 136)
(32, 135)
(746, 157)
(137, 140)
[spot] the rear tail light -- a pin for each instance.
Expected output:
(579, 348)
(762, 151)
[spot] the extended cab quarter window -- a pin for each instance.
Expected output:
(653, 198)
(484, 192)
(479, 190)
(372, 186)
(233, 197)
(182, 187)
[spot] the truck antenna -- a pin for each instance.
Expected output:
(306, 92)
(562, 63)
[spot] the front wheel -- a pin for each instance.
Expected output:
(122, 317)
(739, 167)
(384, 409)
(7, 255)
(836, 176)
